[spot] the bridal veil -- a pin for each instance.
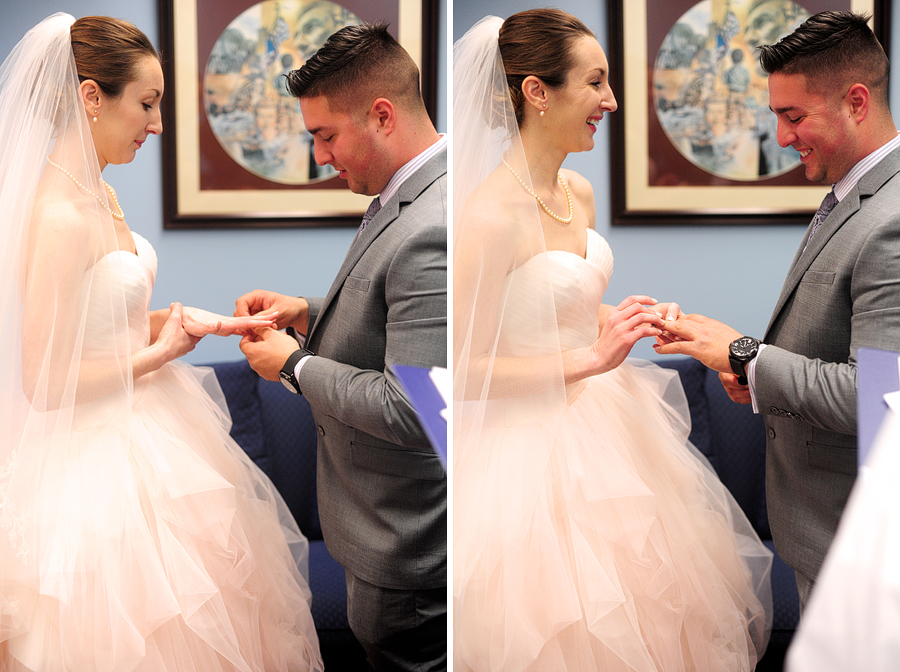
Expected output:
(494, 234)
(52, 233)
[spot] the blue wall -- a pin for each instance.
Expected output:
(207, 269)
(730, 273)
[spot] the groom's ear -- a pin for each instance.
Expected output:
(535, 92)
(384, 115)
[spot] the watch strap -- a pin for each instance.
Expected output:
(287, 371)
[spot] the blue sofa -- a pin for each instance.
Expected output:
(276, 429)
(733, 438)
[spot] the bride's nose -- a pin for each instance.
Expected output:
(155, 126)
(608, 103)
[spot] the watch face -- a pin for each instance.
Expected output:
(744, 347)
(286, 381)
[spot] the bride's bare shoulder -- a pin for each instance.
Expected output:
(579, 185)
(63, 221)
(500, 205)
(582, 192)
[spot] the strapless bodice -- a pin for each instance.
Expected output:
(577, 284)
(138, 273)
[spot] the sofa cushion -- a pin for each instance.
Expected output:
(742, 460)
(239, 384)
(786, 608)
(329, 587)
(291, 448)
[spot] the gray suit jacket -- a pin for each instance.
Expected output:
(842, 293)
(382, 489)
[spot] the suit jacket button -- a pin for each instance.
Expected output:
(321, 430)
(771, 433)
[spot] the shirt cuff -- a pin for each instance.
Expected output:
(299, 365)
(751, 376)
(301, 339)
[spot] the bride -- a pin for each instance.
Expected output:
(588, 534)
(137, 534)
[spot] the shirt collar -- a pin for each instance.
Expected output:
(843, 186)
(409, 168)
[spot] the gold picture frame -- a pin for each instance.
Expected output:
(203, 186)
(655, 178)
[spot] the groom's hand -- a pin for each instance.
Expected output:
(288, 311)
(702, 338)
(267, 350)
(737, 392)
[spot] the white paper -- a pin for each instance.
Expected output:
(441, 379)
(893, 401)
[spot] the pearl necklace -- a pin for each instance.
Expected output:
(563, 220)
(117, 215)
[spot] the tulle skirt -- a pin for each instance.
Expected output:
(149, 541)
(596, 537)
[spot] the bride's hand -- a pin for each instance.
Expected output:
(625, 325)
(667, 311)
(174, 340)
(199, 323)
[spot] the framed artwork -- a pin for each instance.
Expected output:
(235, 150)
(693, 140)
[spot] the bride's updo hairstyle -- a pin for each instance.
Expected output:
(108, 51)
(538, 42)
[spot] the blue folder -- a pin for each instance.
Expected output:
(877, 374)
(428, 403)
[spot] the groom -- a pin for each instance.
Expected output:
(382, 490)
(828, 86)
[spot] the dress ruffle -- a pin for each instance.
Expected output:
(600, 539)
(154, 543)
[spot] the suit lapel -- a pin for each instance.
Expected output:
(804, 257)
(870, 183)
(408, 192)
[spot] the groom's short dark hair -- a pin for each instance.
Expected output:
(356, 65)
(833, 50)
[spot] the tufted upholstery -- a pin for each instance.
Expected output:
(276, 429)
(733, 438)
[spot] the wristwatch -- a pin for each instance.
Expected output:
(740, 352)
(286, 375)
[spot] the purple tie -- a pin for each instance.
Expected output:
(822, 213)
(373, 209)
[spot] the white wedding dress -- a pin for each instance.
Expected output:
(600, 540)
(159, 545)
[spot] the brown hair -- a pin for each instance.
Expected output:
(538, 42)
(356, 65)
(833, 50)
(108, 51)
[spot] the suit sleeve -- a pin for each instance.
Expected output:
(315, 307)
(824, 392)
(416, 335)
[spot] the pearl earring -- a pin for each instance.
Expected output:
(542, 112)
(96, 112)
